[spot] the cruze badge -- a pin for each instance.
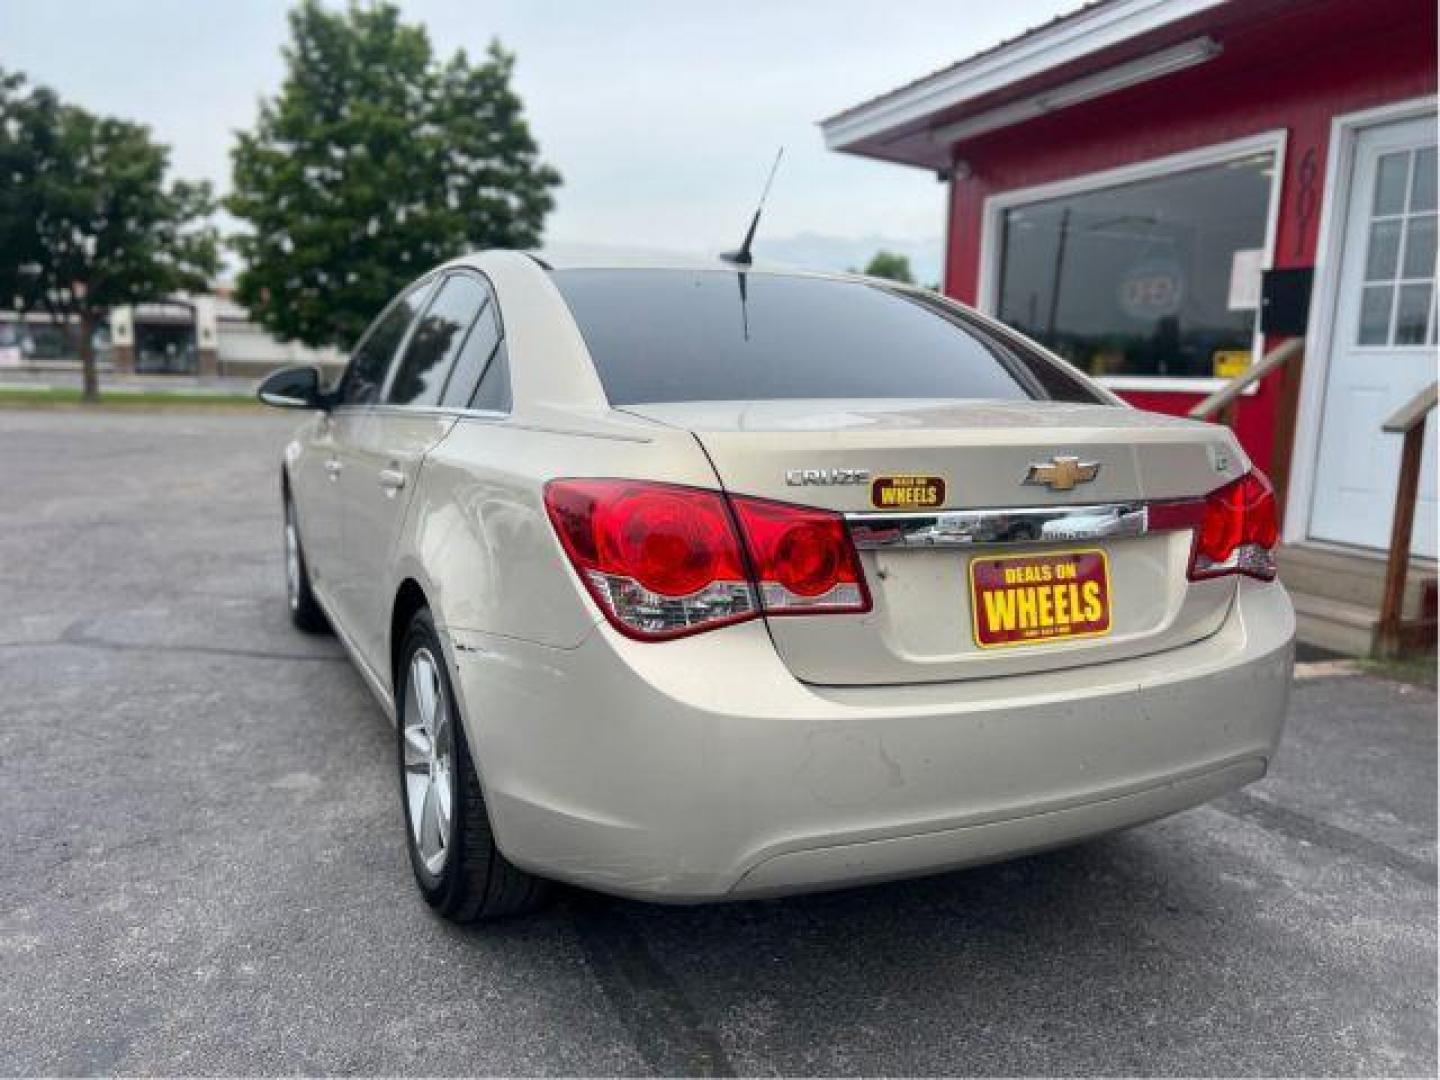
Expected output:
(1062, 473)
(826, 477)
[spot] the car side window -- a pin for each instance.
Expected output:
(493, 393)
(371, 359)
(474, 358)
(439, 335)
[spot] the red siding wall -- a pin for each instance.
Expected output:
(1295, 71)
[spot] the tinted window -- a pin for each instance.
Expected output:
(475, 353)
(370, 361)
(493, 393)
(1056, 381)
(719, 335)
(436, 341)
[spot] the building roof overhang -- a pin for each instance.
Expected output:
(1106, 45)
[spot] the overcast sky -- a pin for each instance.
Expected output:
(662, 116)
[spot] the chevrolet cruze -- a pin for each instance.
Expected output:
(700, 581)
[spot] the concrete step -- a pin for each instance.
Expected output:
(1352, 578)
(1334, 624)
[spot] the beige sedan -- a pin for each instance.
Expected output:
(696, 581)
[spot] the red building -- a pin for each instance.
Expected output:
(1122, 179)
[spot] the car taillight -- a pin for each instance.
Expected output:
(804, 560)
(663, 561)
(1238, 531)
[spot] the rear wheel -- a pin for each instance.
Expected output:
(305, 611)
(459, 868)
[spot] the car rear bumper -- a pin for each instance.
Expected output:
(701, 769)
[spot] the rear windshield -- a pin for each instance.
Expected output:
(722, 335)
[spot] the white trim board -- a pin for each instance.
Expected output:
(987, 292)
(1108, 80)
(1176, 384)
(1334, 204)
(1049, 47)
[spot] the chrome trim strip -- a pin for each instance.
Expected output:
(385, 408)
(1005, 525)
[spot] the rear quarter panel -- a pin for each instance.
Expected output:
(478, 540)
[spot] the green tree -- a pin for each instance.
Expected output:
(374, 162)
(87, 219)
(887, 264)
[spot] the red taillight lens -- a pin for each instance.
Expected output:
(1238, 531)
(804, 560)
(674, 542)
(663, 561)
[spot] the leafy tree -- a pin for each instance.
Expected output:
(374, 162)
(87, 220)
(887, 264)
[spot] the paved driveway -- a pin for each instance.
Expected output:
(201, 867)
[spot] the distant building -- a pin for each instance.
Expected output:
(203, 334)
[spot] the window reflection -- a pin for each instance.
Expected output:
(437, 338)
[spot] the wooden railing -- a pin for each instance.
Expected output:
(1223, 401)
(1409, 421)
(1221, 406)
(1394, 633)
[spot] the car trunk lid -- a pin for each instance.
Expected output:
(938, 501)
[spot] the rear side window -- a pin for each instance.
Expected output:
(437, 340)
(721, 335)
(474, 357)
(493, 393)
(371, 359)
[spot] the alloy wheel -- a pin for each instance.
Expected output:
(426, 725)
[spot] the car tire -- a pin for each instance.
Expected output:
(305, 610)
(459, 868)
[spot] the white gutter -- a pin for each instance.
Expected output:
(1132, 73)
(1073, 39)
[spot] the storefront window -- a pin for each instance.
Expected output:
(1152, 278)
(48, 341)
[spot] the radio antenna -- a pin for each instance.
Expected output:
(742, 256)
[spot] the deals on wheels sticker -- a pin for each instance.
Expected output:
(1032, 599)
(907, 492)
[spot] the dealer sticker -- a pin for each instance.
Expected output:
(907, 492)
(1032, 599)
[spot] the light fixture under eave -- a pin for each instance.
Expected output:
(1121, 76)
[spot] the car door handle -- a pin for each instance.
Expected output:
(391, 479)
(332, 469)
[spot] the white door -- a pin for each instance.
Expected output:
(381, 450)
(1383, 344)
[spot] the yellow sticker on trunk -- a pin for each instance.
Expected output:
(907, 492)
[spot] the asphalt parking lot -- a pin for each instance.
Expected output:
(202, 868)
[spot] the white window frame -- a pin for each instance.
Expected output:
(993, 223)
(1345, 132)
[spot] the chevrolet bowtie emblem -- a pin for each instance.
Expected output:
(1062, 473)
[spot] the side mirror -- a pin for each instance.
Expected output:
(293, 388)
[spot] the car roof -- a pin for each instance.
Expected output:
(605, 258)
